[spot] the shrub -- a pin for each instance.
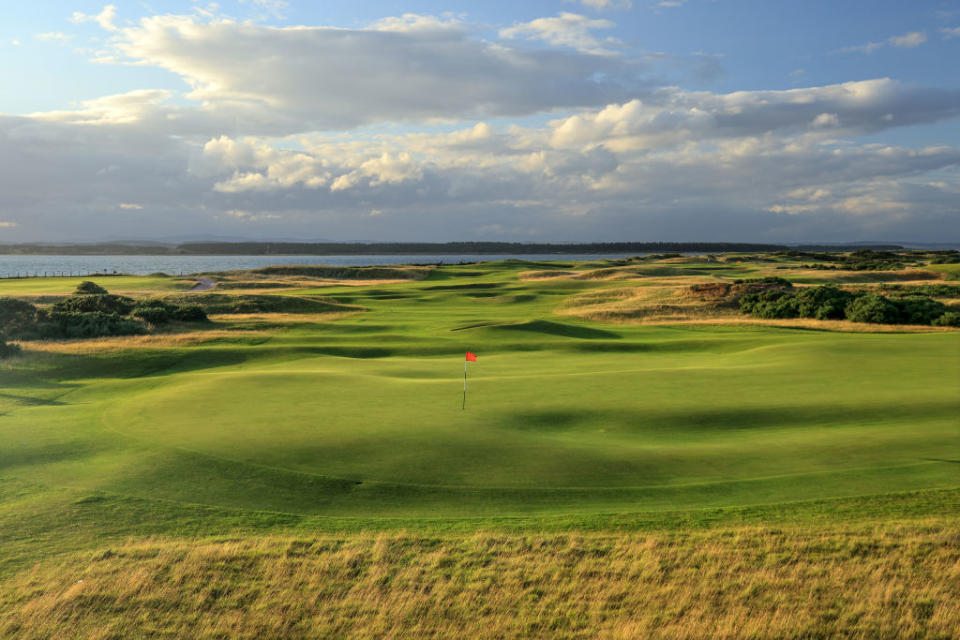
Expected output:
(90, 288)
(947, 257)
(933, 290)
(823, 303)
(772, 303)
(949, 319)
(152, 314)
(8, 349)
(18, 319)
(919, 309)
(93, 324)
(873, 308)
(770, 280)
(190, 313)
(99, 303)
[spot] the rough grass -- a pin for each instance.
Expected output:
(122, 343)
(890, 580)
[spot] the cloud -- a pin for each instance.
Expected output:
(951, 32)
(672, 115)
(308, 78)
(6, 224)
(909, 40)
(276, 8)
(271, 139)
(604, 5)
(105, 18)
(54, 36)
(906, 41)
(565, 30)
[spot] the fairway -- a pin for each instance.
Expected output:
(360, 415)
(672, 415)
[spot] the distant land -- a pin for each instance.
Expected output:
(410, 248)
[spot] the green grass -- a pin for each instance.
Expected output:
(355, 423)
(67, 285)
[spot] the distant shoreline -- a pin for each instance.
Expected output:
(411, 248)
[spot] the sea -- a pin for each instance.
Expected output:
(19, 266)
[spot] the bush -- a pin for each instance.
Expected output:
(152, 314)
(872, 308)
(919, 309)
(770, 280)
(18, 319)
(8, 349)
(933, 290)
(96, 303)
(772, 303)
(949, 319)
(190, 313)
(90, 288)
(947, 257)
(823, 303)
(154, 311)
(93, 324)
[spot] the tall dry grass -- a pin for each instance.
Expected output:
(878, 581)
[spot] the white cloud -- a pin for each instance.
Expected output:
(306, 78)
(105, 18)
(906, 41)
(15, 42)
(604, 5)
(826, 120)
(909, 40)
(54, 36)
(6, 224)
(951, 33)
(566, 30)
(264, 145)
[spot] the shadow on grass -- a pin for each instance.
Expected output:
(32, 402)
(559, 329)
(727, 418)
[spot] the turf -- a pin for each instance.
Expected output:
(352, 421)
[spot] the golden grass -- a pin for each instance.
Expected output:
(734, 319)
(643, 304)
(888, 580)
(906, 276)
(155, 341)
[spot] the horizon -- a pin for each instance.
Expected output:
(586, 120)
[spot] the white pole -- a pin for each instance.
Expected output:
(464, 406)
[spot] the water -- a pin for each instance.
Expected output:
(12, 266)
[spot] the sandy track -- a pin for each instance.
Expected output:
(203, 284)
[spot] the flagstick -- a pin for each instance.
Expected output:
(464, 385)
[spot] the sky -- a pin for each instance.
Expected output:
(534, 121)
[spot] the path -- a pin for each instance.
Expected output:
(203, 284)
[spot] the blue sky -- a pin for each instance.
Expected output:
(548, 120)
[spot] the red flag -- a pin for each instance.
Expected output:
(471, 357)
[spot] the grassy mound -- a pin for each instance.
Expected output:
(221, 303)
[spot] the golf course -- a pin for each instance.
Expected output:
(307, 463)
